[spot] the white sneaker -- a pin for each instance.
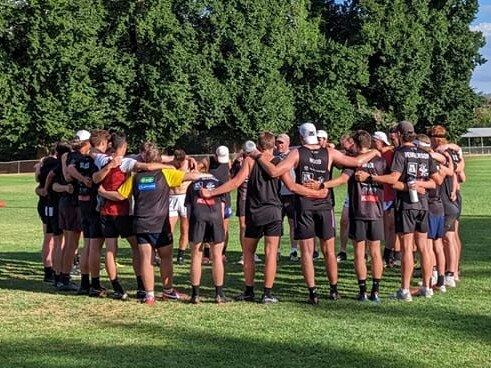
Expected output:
(434, 277)
(425, 292)
(441, 289)
(241, 260)
(450, 282)
(402, 294)
(257, 259)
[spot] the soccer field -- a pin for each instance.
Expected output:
(44, 328)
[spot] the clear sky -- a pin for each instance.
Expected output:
(481, 79)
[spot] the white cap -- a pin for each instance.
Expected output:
(222, 155)
(249, 146)
(381, 136)
(322, 134)
(308, 132)
(82, 135)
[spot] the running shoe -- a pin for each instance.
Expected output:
(140, 295)
(450, 281)
(148, 300)
(241, 260)
(341, 257)
(67, 287)
(315, 255)
(120, 296)
(194, 299)
(334, 295)
(271, 299)
(97, 293)
(83, 291)
(374, 297)
(294, 256)
(174, 295)
(222, 299)
(314, 300)
(362, 297)
(257, 259)
(180, 260)
(424, 292)
(402, 294)
(245, 298)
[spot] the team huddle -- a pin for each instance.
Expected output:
(405, 193)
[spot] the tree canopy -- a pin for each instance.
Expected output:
(196, 73)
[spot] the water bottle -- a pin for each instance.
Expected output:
(413, 193)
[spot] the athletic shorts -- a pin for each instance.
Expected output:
(40, 209)
(156, 240)
(117, 226)
(227, 213)
(436, 227)
(206, 232)
(52, 223)
(314, 223)
(176, 205)
(257, 231)
(91, 226)
(241, 204)
(346, 202)
(371, 230)
(410, 221)
(69, 218)
(288, 206)
(459, 202)
(450, 222)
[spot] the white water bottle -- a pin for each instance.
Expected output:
(413, 193)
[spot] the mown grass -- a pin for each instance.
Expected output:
(44, 328)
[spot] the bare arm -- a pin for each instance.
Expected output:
(73, 172)
(232, 183)
(100, 175)
(390, 179)
(59, 188)
(111, 195)
(342, 160)
(303, 190)
(144, 166)
(275, 171)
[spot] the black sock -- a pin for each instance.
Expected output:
(139, 283)
(195, 291)
(96, 283)
(206, 252)
(85, 281)
(387, 255)
(57, 278)
(312, 292)
(249, 290)
(267, 292)
(449, 274)
(117, 286)
(48, 272)
(333, 288)
(441, 280)
(219, 290)
(180, 253)
(362, 284)
(375, 285)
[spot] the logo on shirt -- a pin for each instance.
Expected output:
(147, 183)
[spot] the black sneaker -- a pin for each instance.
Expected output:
(194, 300)
(120, 296)
(334, 296)
(315, 256)
(180, 260)
(341, 257)
(141, 294)
(49, 279)
(222, 299)
(245, 298)
(271, 299)
(97, 293)
(68, 287)
(314, 300)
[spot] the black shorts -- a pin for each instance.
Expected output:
(410, 221)
(69, 218)
(91, 226)
(288, 208)
(206, 231)
(257, 231)
(312, 223)
(240, 210)
(450, 222)
(156, 240)
(52, 224)
(371, 230)
(42, 216)
(117, 226)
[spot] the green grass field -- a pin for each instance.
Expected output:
(43, 328)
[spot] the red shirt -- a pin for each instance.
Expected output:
(112, 182)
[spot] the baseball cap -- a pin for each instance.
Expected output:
(405, 127)
(222, 154)
(249, 146)
(381, 136)
(322, 134)
(283, 138)
(82, 135)
(308, 132)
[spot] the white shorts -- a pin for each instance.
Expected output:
(176, 205)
